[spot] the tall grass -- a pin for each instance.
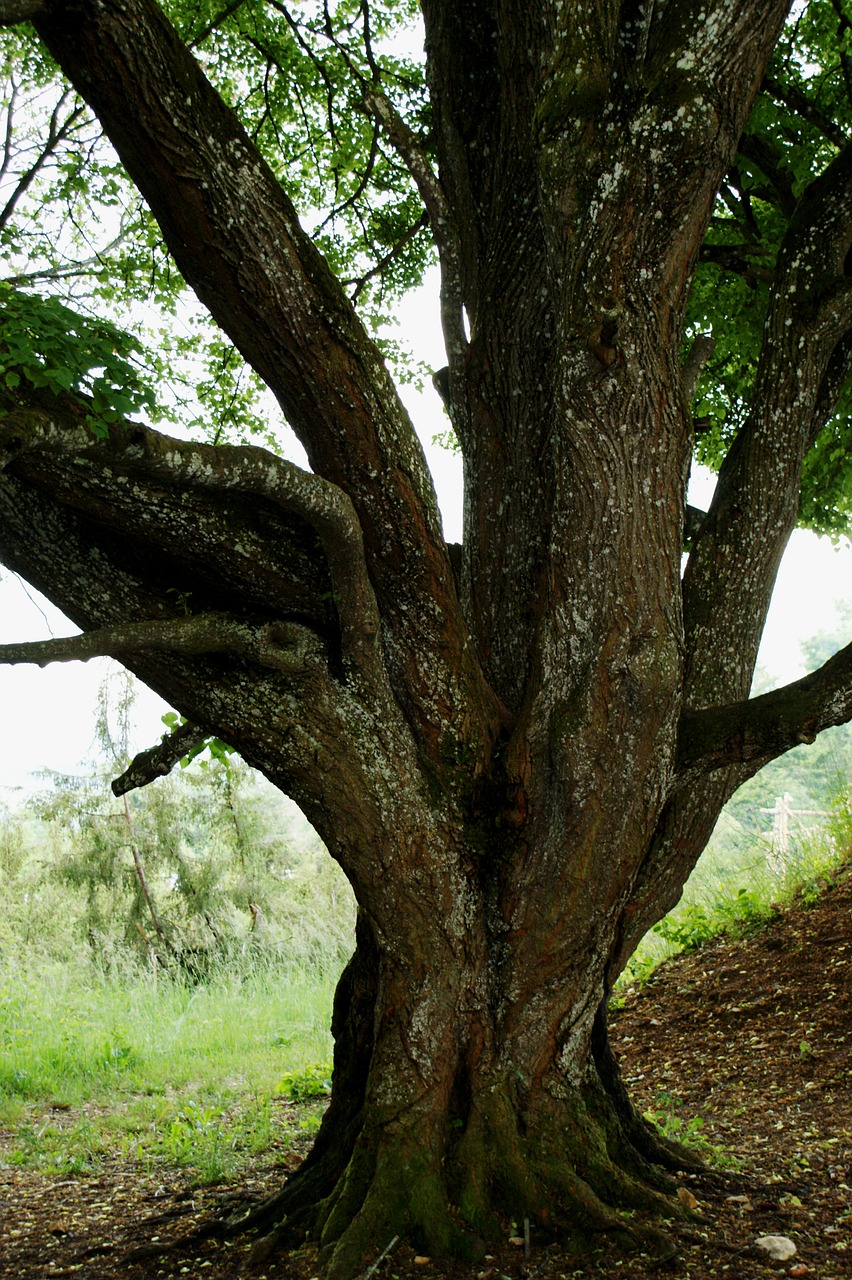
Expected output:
(171, 1047)
(66, 1038)
(143, 1066)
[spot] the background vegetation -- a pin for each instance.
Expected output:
(168, 959)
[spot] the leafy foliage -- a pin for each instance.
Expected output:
(312, 1082)
(801, 119)
(44, 342)
(73, 226)
(297, 74)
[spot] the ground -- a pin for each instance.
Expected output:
(743, 1048)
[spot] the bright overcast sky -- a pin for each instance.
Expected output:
(48, 715)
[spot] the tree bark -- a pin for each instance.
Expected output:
(517, 774)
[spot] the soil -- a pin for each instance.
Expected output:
(743, 1048)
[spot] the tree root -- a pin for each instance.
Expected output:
(577, 1165)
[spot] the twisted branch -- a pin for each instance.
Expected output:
(245, 469)
(284, 646)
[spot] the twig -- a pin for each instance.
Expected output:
(159, 760)
(374, 1268)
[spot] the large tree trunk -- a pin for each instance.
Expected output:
(518, 770)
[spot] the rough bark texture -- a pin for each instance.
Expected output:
(518, 773)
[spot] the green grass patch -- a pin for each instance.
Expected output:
(158, 1071)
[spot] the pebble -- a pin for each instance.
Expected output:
(778, 1247)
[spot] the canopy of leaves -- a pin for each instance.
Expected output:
(73, 228)
(801, 120)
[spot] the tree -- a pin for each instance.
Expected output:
(517, 748)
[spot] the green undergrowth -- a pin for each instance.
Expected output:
(158, 1071)
(737, 895)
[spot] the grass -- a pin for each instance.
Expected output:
(157, 1070)
(739, 894)
(125, 1060)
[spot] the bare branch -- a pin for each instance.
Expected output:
(210, 27)
(273, 293)
(157, 761)
(441, 218)
(385, 261)
(793, 97)
(56, 133)
(739, 258)
(761, 154)
(412, 155)
(753, 732)
(281, 645)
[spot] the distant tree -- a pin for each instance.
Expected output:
(196, 871)
(515, 748)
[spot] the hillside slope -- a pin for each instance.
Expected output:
(747, 1045)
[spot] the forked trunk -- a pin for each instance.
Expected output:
(517, 752)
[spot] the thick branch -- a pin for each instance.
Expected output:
(751, 733)
(157, 761)
(243, 469)
(236, 238)
(14, 11)
(283, 646)
(756, 502)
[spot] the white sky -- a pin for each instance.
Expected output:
(48, 715)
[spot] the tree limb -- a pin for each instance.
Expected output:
(703, 346)
(14, 11)
(751, 733)
(738, 258)
(269, 288)
(693, 522)
(284, 646)
(245, 469)
(159, 760)
(441, 217)
(386, 259)
(756, 502)
(793, 97)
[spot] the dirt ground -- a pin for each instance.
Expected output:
(744, 1048)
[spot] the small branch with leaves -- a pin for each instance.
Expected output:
(159, 760)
